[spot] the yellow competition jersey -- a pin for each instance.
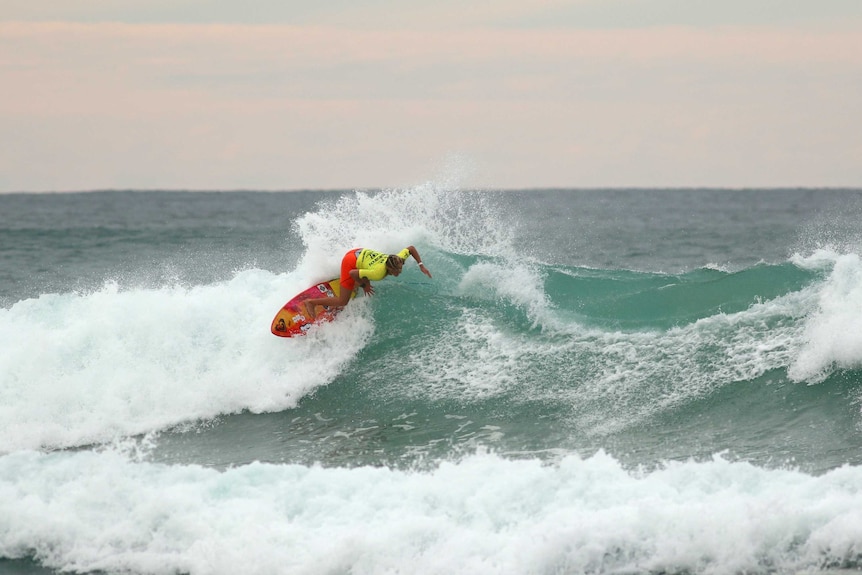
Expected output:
(372, 265)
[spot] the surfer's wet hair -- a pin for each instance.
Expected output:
(394, 263)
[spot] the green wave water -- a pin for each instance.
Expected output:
(593, 381)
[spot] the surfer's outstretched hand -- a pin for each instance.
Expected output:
(368, 289)
(425, 270)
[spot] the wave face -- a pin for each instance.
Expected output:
(595, 381)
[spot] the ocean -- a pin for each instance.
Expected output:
(593, 381)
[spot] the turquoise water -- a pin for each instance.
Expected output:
(594, 381)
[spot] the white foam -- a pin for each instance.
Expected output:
(477, 357)
(610, 379)
(77, 368)
(474, 360)
(514, 283)
(833, 331)
(723, 268)
(81, 368)
(645, 373)
(429, 215)
(99, 511)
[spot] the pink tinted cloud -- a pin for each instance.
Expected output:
(219, 105)
(309, 46)
(56, 67)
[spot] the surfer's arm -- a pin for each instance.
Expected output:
(364, 282)
(415, 254)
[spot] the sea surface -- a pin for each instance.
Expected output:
(593, 381)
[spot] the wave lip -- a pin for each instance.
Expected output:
(832, 338)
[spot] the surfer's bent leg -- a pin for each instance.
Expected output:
(348, 282)
(338, 301)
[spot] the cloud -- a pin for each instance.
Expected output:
(446, 14)
(275, 106)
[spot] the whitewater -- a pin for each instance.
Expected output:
(595, 381)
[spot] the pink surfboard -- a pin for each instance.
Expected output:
(291, 319)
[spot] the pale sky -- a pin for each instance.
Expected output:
(283, 95)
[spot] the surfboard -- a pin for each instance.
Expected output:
(291, 319)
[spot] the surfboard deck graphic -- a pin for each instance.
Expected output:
(291, 319)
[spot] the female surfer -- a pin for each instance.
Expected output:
(363, 265)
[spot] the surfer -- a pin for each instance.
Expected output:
(362, 265)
